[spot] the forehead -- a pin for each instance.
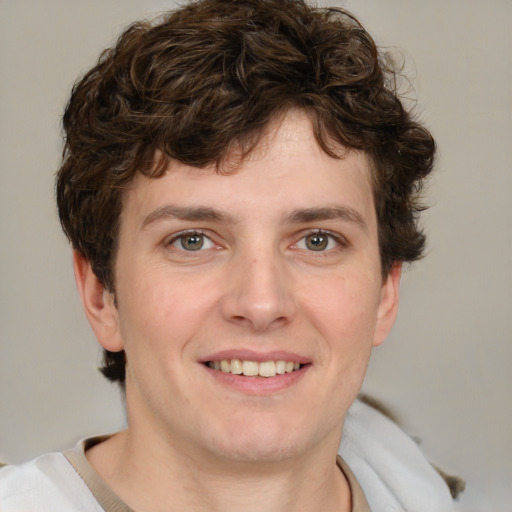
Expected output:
(286, 170)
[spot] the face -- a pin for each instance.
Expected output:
(248, 303)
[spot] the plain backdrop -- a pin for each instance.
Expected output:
(446, 369)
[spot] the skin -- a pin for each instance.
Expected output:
(195, 439)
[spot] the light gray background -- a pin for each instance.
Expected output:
(446, 368)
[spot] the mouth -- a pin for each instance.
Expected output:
(249, 368)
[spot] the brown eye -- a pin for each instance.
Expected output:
(317, 241)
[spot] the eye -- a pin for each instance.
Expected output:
(191, 241)
(318, 241)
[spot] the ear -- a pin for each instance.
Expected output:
(98, 304)
(388, 306)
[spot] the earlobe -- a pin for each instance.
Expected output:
(98, 305)
(388, 306)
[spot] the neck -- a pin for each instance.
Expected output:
(148, 477)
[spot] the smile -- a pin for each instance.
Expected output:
(253, 368)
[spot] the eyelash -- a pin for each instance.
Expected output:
(189, 233)
(339, 240)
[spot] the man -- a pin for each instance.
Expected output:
(239, 185)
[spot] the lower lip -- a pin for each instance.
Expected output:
(259, 386)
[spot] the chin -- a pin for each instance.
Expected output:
(258, 442)
(258, 450)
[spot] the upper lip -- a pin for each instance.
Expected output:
(258, 357)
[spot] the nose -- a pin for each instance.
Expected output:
(259, 293)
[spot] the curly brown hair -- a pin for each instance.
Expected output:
(211, 76)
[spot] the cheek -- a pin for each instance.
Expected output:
(343, 308)
(162, 311)
(157, 322)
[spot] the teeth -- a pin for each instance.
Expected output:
(252, 368)
(267, 369)
(236, 366)
(280, 367)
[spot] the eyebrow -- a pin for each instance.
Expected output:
(185, 213)
(202, 213)
(330, 213)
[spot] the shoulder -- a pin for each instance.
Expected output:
(389, 465)
(48, 483)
